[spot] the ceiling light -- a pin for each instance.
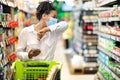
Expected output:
(69, 3)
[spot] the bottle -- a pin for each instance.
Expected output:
(119, 11)
(115, 11)
(1, 9)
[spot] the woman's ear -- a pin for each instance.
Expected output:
(44, 16)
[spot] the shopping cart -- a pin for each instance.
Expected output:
(35, 70)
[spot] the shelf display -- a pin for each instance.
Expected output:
(84, 43)
(12, 21)
(108, 70)
(7, 41)
(109, 42)
(88, 36)
(106, 76)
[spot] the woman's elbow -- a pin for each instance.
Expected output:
(65, 24)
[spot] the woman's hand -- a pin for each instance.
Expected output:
(33, 53)
(42, 32)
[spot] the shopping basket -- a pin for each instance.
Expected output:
(35, 70)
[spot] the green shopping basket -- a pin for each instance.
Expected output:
(34, 70)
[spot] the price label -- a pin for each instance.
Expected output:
(113, 37)
(0, 56)
(116, 78)
(103, 19)
(113, 56)
(118, 59)
(114, 51)
(89, 32)
(118, 39)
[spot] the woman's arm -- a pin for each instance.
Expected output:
(20, 51)
(59, 27)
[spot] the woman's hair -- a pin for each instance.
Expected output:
(44, 8)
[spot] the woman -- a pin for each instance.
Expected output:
(43, 36)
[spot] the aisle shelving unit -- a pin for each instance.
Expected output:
(84, 44)
(7, 39)
(87, 37)
(11, 23)
(108, 70)
(109, 41)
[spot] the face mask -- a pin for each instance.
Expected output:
(52, 21)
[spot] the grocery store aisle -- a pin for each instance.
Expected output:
(60, 56)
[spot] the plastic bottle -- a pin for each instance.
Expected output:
(1, 9)
(119, 11)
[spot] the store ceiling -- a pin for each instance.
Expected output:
(32, 4)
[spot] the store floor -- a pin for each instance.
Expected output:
(65, 75)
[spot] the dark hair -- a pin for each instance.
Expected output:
(44, 8)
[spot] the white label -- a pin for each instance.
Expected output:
(0, 56)
(89, 32)
(113, 37)
(118, 39)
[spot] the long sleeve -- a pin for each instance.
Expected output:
(20, 51)
(59, 27)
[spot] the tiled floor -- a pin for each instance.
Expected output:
(60, 56)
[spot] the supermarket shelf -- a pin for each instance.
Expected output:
(12, 5)
(102, 8)
(90, 64)
(91, 55)
(9, 4)
(108, 70)
(79, 50)
(89, 43)
(90, 37)
(117, 58)
(100, 76)
(107, 2)
(99, 9)
(109, 19)
(90, 59)
(89, 32)
(116, 38)
(91, 21)
(115, 51)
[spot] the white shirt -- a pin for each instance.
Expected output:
(47, 44)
